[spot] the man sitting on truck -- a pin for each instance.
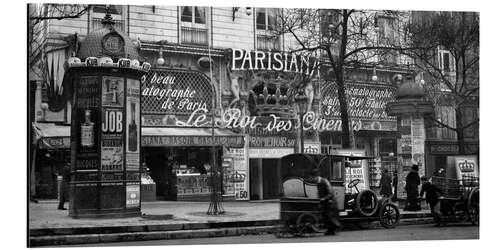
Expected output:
(328, 206)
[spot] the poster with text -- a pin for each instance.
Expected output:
(358, 169)
(112, 91)
(112, 139)
(236, 181)
(85, 125)
(133, 125)
(133, 193)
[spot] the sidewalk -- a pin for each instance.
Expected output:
(162, 220)
(45, 214)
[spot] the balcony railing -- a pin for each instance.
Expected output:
(195, 36)
(267, 42)
(119, 24)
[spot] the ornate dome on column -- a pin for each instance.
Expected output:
(108, 42)
(410, 99)
(410, 90)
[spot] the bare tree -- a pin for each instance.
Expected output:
(450, 63)
(38, 17)
(342, 38)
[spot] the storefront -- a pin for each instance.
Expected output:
(180, 138)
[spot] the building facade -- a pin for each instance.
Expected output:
(214, 74)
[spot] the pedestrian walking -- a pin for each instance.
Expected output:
(328, 206)
(432, 194)
(411, 188)
(65, 176)
(395, 185)
(385, 184)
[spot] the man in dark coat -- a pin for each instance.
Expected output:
(328, 205)
(65, 176)
(385, 184)
(411, 188)
(432, 194)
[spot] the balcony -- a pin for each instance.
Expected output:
(268, 42)
(194, 36)
(119, 24)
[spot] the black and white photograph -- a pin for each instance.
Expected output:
(170, 123)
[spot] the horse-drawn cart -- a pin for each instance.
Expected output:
(300, 205)
(459, 201)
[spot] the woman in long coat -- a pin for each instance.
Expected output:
(412, 183)
(385, 184)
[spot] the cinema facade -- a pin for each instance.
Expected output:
(244, 105)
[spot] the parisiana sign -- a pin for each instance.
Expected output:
(271, 61)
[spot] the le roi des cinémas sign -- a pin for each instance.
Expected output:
(233, 118)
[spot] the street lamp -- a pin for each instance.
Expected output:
(301, 101)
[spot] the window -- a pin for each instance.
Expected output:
(446, 62)
(266, 19)
(116, 11)
(265, 22)
(194, 25)
(196, 16)
(113, 9)
(446, 114)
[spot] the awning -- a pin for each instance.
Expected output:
(52, 136)
(160, 137)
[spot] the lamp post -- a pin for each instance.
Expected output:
(301, 101)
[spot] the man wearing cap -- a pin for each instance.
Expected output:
(328, 205)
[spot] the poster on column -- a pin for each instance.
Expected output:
(85, 149)
(112, 91)
(112, 139)
(133, 126)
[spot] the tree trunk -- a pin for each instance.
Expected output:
(460, 132)
(344, 115)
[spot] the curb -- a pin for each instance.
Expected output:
(180, 231)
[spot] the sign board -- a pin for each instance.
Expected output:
(270, 153)
(312, 147)
(461, 166)
(358, 169)
(133, 195)
(366, 105)
(171, 95)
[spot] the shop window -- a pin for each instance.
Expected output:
(194, 25)
(98, 11)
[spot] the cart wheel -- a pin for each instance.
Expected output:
(307, 223)
(473, 206)
(389, 215)
(459, 212)
(366, 203)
